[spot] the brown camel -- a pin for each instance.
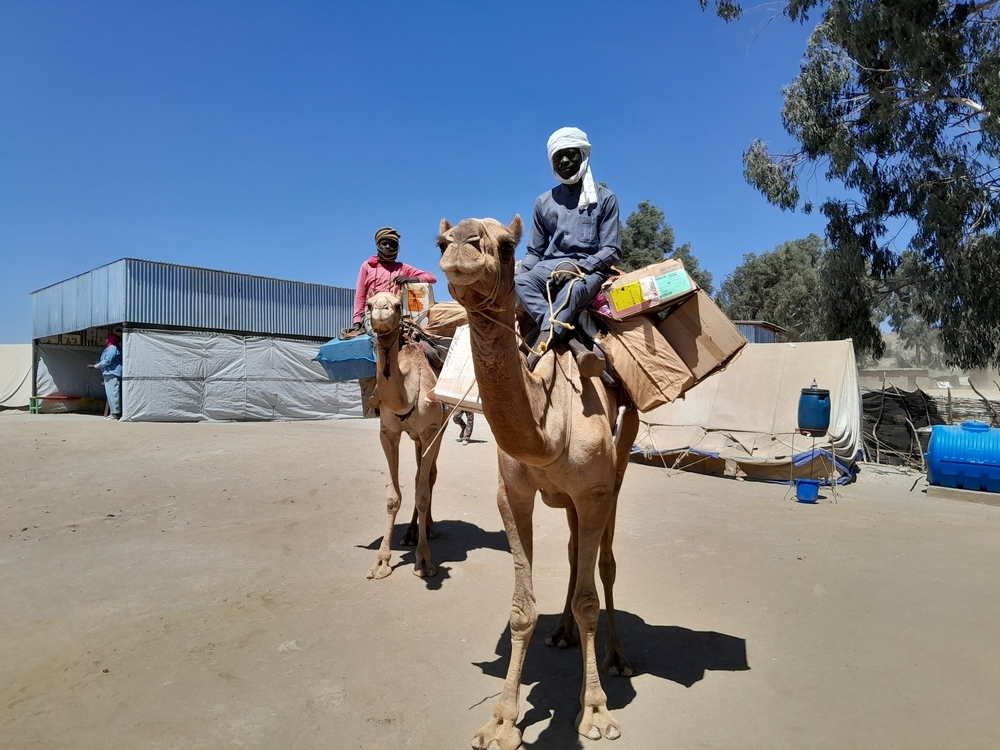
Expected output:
(404, 378)
(566, 436)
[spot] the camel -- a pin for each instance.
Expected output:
(404, 378)
(564, 435)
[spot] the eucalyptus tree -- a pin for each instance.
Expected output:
(899, 102)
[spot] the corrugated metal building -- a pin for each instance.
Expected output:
(760, 331)
(197, 343)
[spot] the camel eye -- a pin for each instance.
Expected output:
(442, 244)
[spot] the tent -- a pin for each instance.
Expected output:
(15, 375)
(192, 376)
(742, 420)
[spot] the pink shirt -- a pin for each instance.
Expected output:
(376, 276)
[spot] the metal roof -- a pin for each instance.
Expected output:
(143, 292)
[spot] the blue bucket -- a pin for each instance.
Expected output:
(807, 490)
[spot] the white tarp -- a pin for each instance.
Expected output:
(187, 376)
(744, 418)
(15, 375)
(63, 371)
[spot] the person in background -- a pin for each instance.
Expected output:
(574, 227)
(465, 420)
(382, 273)
(110, 365)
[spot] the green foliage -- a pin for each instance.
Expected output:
(782, 287)
(647, 238)
(900, 103)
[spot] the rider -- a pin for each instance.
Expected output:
(574, 228)
(382, 273)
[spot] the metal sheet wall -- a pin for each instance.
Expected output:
(92, 299)
(143, 292)
(757, 334)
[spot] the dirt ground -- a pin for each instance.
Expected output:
(203, 586)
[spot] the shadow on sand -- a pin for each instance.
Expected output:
(665, 651)
(455, 540)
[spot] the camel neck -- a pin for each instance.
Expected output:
(391, 388)
(513, 398)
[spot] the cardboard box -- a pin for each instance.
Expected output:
(417, 299)
(649, 368)
(701, 334)
(456, 385)
(648, 289)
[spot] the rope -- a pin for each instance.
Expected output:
(575, 275)
(444, 421)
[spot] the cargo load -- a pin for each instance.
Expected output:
(701, 334)
(417, 299)
(647, 290)
(350, 359)
(642, 358)
(456, 385)
(444, 317)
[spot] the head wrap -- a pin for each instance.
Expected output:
(387, 233)
(575, 138)
(112, 339)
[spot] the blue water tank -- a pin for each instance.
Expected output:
(967, 457)
(814, 411)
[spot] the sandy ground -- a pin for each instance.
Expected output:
(203, 586)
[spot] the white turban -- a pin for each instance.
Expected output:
(575, 138)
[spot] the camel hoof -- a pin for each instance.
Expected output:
(409, 539)
(597, 723)
(616, 666)
(497, 736)
(381, 569)
(427, 570)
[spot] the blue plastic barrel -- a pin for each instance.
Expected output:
(966, 457)
(814, 411)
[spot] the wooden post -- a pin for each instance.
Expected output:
(949, 405)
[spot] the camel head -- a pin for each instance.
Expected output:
(386, 311)
(477, 256)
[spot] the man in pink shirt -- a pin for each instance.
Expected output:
(383, 273)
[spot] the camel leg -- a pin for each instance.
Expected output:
(412, 534)
(564, 635)
(594, 720)
(501, 731)
(390, 446)
(423, 567)
(614, 662)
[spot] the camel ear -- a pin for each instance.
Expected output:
(516, 229)
(445, 226)
(510, 238)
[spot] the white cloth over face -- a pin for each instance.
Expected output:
(575, 138)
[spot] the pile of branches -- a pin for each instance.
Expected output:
(897, 423)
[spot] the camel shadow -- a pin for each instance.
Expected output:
(665, 651)
(455, 540)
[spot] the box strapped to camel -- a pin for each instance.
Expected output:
(657, 349)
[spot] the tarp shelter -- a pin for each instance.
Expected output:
(742, 421)
(189, 376)
(15, 375)
(198, 344)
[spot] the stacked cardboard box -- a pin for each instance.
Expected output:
(664, 334)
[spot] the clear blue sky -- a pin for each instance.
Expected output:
(274, 138)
